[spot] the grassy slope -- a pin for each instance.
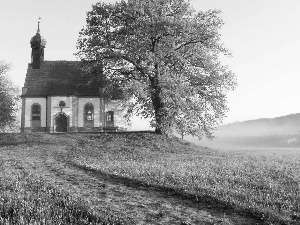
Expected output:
(265, 186)
(25, 198)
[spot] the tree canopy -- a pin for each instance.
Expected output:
(165, 56)
(8, 100)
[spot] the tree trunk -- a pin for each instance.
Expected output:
(158, 105)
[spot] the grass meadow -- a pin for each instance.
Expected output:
(33, 202)
(27, 199)
(258, 183)
(261, 183)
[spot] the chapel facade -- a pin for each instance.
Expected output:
(56, 97)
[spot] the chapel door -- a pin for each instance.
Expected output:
(61, 121)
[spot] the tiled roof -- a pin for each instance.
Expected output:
(58, 78)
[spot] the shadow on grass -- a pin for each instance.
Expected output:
(208, 203)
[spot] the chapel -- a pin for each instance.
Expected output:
(56, 97)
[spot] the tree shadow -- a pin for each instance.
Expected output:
(208, 203)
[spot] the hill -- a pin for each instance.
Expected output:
(284, 125)
(141, 178)
(276, 132)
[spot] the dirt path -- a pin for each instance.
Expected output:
(141, 205)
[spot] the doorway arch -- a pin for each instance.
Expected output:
(61, 122)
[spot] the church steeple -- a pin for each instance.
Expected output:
(38, 44)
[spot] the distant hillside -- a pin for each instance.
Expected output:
(283, 125)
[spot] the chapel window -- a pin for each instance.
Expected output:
(36, 112)
(110, 116)
(89, 111)
(62, 104)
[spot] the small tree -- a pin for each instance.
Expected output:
(165, 56)
(9, 100)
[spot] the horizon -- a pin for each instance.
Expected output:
(264, 118)
(261, 35)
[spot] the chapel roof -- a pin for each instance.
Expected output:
(58, 78)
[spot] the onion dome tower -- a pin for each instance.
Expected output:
(38, 44)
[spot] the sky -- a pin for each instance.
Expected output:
(262, 35)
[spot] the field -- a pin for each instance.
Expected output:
(143, 179)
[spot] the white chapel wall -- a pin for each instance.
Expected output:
(28, 104)
(81, 103)
(55, 109)
(118, 113)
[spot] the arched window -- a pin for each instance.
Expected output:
(89, 112)
(110, 116)
(36, 112)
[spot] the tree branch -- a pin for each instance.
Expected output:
(185, 44)
(139, 68)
